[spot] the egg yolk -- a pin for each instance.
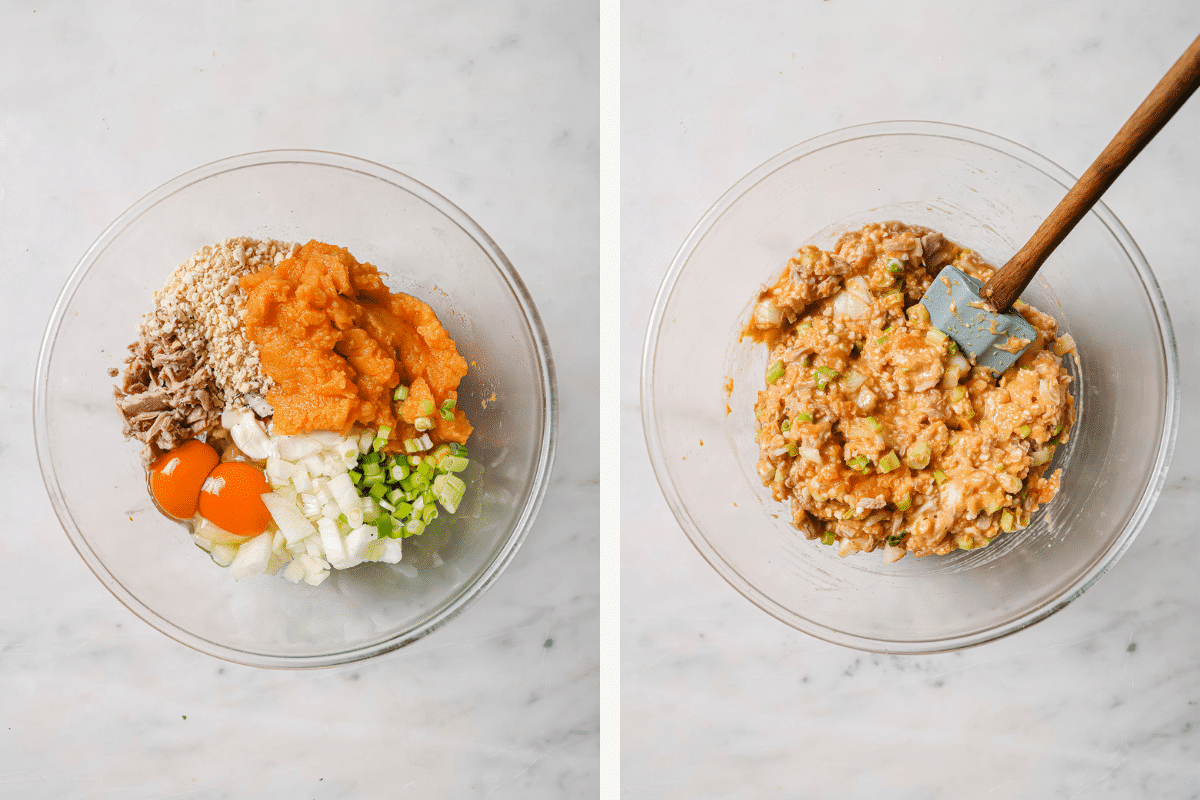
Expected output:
(231, 499)
(177, 475)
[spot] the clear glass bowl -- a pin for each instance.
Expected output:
(988, 194)
(430, 249)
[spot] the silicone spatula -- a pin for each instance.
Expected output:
(978, 316)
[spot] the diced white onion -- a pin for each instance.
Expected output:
(331, 542)
(223, 554)
(295, 448)
(290, 519)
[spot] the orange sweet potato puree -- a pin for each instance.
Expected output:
(337, 343)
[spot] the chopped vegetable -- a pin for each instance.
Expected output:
(775, 372)
(918, 455)
(889, 462)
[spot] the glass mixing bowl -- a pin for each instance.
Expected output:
(985, 193)
(430, 249)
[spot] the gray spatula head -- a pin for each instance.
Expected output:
(993, 340)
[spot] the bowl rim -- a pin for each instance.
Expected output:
(457, 604)
(973, 136)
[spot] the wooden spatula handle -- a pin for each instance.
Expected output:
(1170, 93)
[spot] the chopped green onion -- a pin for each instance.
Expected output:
(399, 472)
(894, 265)
(413, 527)
(371, 458)
(875, 424)
(918, 455)
(372, 469)
(785, 426)
(447, 415)
(384, 432)
(395, 496)
(412, 445)
(378, 491)
(775, 372)
(952, 348)
(828, 538)
(958, 394)
(419, 482)
(453, 464)
(342, 519)
(423, 424)
(403, 510)
(779, 475)
(1007, 521)
(804, 416)
(792, 449)
(889, 462)
(401, 393)
(881, 340)
(425, 469)
(805, 359)
(384, 526)
(905, 503)
(857, 347)
(823, 375)
(426, 408)
(939, 477)
(1025, 431)
(449, 404)
(1056, 430)
(429, 514)
(858, 462)
(894, 541)
(370, 480)
(965, 541)
(355, 476)
(935, 337)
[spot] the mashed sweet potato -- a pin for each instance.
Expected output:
(337, 343)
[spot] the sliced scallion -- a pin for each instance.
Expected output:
(423, 424)
(889, 462)
(792, 449)
(876, 425)
(828, 538)
(785, 426)
(804, 416)
(894, 541)
(401, 393)
(918, 455)
(894, 265)
(775, 372)
(1025, 431)
(939, 477)
(905, 503)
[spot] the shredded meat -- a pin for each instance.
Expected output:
(167, 394)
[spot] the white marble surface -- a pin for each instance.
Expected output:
(1101, 700)
(492, 103)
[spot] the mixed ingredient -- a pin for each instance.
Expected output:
(875, 427)
(294, 412)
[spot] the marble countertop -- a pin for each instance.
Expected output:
(1101, 700)
(492, 104)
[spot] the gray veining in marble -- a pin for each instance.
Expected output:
(494, 104)
(1101, 700)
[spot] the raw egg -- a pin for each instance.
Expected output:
(177, 475)
(231, 498)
